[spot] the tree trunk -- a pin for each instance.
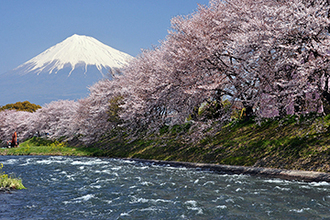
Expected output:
(326, 102)
(248, 111)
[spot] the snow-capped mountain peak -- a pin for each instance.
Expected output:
(64, 71)
(77, 50)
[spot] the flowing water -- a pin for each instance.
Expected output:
(94, 188)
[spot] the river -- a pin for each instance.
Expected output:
(100, 188)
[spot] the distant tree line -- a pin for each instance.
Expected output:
(21, 106)
(257, 59)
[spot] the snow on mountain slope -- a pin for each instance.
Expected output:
(77, 50)
(64, 71)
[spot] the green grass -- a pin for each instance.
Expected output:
(9, 181)
(39, 146)
(289, 143)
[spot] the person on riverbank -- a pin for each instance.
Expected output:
(14, 142)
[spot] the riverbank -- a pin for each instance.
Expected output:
(40, 146)
(291, 143)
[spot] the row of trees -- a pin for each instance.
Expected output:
(270, 57)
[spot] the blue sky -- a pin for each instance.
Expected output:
(28, 27)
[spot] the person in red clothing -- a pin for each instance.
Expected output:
(14, 140)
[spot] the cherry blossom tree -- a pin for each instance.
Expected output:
(270, 57)
(264, 54)
(92, 118)
(11, 121)
(56, 118)
(167, 83)
(289, 41)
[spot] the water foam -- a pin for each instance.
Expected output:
(80, 199)
(299, 210)
(10, 161)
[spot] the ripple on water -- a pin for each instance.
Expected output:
(192, 205)
(299, 210)
(94, 188)
(10, 161)
(89, 163)
(80, 199)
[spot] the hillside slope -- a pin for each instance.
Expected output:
(289, 143)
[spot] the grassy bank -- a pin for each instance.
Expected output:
(290, 143)
(39, 146)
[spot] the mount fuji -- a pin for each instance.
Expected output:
(63, 71)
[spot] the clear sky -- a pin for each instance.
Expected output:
(28, 27)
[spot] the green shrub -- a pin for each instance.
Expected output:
(57, 146)
(8, 181)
